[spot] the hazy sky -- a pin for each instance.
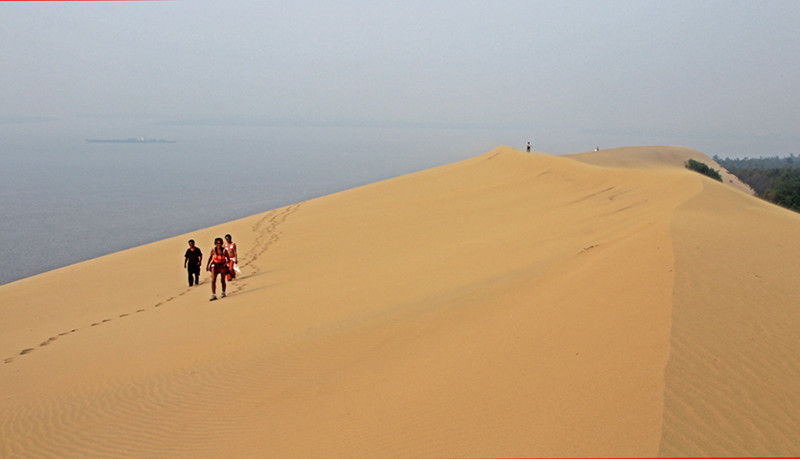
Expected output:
(720, 76)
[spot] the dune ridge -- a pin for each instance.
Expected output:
(602, 304)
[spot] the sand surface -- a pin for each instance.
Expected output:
(610, 303)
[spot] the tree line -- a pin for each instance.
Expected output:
(775, 179)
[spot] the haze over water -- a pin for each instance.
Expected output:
(66, 200)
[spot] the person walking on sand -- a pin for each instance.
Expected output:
(233, 266)
(529, 147)
(218, 265)
(192, 261)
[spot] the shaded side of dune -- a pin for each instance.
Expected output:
(733, 377)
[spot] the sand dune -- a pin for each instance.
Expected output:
(603, 304)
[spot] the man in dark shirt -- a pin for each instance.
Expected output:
(192, 261)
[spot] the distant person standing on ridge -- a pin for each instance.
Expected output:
(233, 266)
(192, 261)
(529, 147)
(218, 264)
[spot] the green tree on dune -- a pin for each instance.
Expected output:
(703, 168)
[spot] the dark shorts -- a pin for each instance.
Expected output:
(219, 268)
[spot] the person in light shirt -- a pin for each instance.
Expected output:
(233, 266)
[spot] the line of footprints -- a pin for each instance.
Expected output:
(274, 218)
(62, 334)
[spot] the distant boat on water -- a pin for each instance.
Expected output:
(130, 140)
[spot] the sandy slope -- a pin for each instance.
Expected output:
(603, 304)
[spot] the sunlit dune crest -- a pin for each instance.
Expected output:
(610, 303)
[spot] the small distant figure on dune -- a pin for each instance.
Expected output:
(233, 266)
(528, 148)
(218, 265)
(192, 261)
(596, 148)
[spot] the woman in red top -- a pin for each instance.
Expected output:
(218, 264)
